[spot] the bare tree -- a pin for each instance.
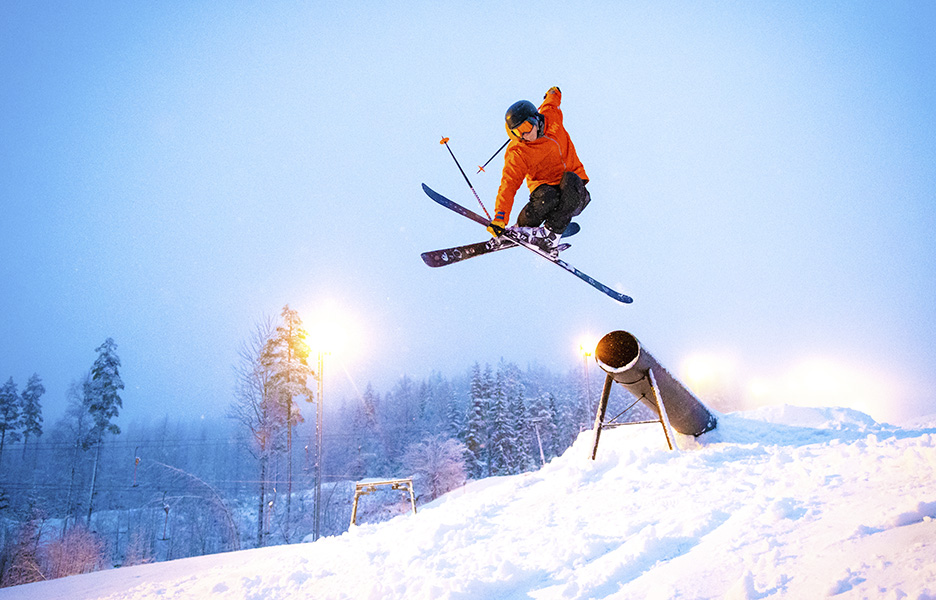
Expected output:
(21, 564)
(77, 551)
(77, 424)
(257, 408)
(437, 465)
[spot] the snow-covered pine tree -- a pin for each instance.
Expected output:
(31, 417)
(475, 436)
(488, 384)
(437, 415)
(519, 420)
(9, 414)
(399, 416)
(286, 355)
(502, 450)
(103, 391)
(350, 428)
(375, 445)
(102, 397)
(423, 401)
(454, 416)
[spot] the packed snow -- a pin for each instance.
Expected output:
(781, 502)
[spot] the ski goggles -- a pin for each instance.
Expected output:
(523, 128)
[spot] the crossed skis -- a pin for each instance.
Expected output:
(507, 238)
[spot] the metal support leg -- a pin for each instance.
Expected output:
(602, 409)
(664, 420)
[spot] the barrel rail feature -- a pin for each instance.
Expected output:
(620, 355)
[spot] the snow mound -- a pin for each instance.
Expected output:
(792, 425)
(816, 417)
(781, 502)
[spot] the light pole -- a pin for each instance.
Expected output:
(587, 348)
(319, 414)
(329, 337)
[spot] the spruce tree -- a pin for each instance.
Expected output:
(9, 414)
(519, 420)
(423, 400)
(31, 418)
(454, 425)
(103, 391)
(474, 438)
(502, 456)
(487, 403)
(375, 446)
(102, 398)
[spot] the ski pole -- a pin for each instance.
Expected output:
(481, 168)
(445, 141)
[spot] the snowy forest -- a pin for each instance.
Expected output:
(86, 494)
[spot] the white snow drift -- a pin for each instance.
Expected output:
(781, 502)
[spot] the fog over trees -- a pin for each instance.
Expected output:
(84, 494)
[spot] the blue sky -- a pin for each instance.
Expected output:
(763, 180)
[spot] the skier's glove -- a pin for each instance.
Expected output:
(496, 223)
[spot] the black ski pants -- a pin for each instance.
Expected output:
(555, 205)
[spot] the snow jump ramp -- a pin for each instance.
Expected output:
(621, 356)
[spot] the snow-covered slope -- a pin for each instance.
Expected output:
(783, 502)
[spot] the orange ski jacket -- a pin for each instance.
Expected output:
(544, 160)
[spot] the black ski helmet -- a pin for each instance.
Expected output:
(520, 111)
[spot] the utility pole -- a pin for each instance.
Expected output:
(539, 440)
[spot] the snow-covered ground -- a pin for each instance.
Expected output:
(783, 502)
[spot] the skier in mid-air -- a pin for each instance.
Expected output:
(541, 152)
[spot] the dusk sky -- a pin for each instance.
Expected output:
(763, 182)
